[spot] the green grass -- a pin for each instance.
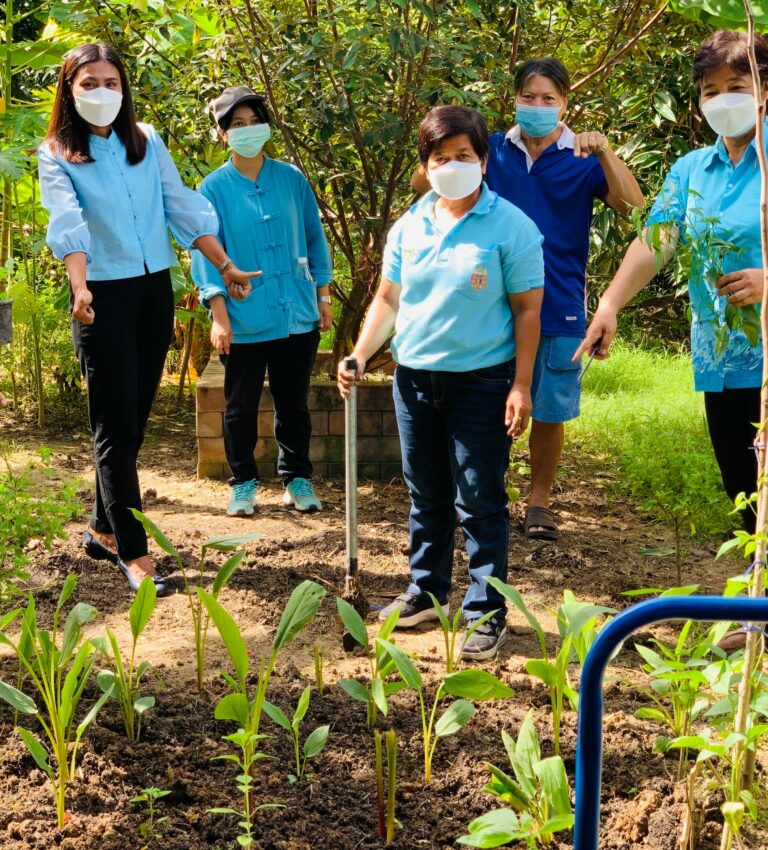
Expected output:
(642, 418)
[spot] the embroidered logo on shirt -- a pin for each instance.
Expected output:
(479, 278)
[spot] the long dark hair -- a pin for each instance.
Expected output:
(68, 133)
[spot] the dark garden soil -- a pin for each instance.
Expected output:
(598, 556)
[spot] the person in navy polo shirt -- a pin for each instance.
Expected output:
(554, 176)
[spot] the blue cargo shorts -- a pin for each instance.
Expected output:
(555, 389)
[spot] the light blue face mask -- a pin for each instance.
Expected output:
(248, 141)
(537, 121)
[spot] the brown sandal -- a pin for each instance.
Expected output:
(540, 524)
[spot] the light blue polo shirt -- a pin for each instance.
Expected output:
(454, 313)
(702, 185)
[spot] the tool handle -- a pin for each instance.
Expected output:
(350, 469)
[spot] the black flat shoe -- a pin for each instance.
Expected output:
(134, 584)
(95, 549)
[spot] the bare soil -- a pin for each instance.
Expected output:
(598, 556)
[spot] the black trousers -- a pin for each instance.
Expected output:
(730, 417)
(289, 362)
(122, 355)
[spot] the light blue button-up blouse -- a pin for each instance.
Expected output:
(708, 197)
(119, 214)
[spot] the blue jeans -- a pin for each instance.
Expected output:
(455, 453)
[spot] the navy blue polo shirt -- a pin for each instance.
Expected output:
(557, 193)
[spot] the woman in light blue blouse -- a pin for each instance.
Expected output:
(269, 220)
(112, 192)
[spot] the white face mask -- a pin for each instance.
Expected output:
(731, 114)
(99, 107)
(455, 180)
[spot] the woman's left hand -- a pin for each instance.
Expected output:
(742, 287)
(326, 316)
(238, 283)
(518, 412)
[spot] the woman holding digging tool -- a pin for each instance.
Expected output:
(112, 192)
(710, 206)
(461, 287)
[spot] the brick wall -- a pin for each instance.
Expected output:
(378, 444)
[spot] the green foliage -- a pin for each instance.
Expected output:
(451, 630)
(236, 706)
(249, 755)
(725, 14)
(641, 414)
(33, 506)
(150, 828)
(200, 619)
(316, 740)
(538, 797)
(123, 680)
(376, 692)
(476, 685)
(56, 665)
(577, 625)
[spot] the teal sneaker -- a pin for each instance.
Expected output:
(301, 495)
(243, 499)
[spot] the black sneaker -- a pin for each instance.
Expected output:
(485, 641)
(414, 609)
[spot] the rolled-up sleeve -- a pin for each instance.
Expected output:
(206, 277)
(318, 254)
(522, 260)
(67, 229)
(188, 213)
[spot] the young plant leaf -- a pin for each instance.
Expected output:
(37, 750)
(476, 684)
(277, 715)
(554, 783)
(142, 607)
(301, 706)
(441, 616)
(353, 622)
(405, 667)
(154, 532)
(354, 689)
(493, 829)
(225, 573)
(17, 700)
(142, 704)
(513, 595)
(379, 695)
(316, 741)
(458, 715)
(230, 635)
(234, 707)
(227, 544)
(80, 614)
(300, 609)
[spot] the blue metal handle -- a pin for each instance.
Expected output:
(589, 748)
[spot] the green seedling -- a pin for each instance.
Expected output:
(318, 664)
(577, 625)
(249, 755)
(376, 693)
(316, 740)
(123, 680)
(201, 620)
(386, 809)
(150, 828)
(451, 629)
(538, 796)
(477, 685)
(57, 667)
(236, 706)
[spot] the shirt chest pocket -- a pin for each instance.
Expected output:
(478, 272)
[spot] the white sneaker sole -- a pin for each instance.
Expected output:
(419, 617)
(308, 509)
(489, 653)
(241, 512)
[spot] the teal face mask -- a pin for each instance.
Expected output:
(537, 121)
(248, 141)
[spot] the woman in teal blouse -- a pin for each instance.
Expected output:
(112, 192)
(269, 220)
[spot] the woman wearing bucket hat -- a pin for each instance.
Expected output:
(113, 192)
(269, 220)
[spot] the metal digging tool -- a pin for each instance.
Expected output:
(352, 591)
